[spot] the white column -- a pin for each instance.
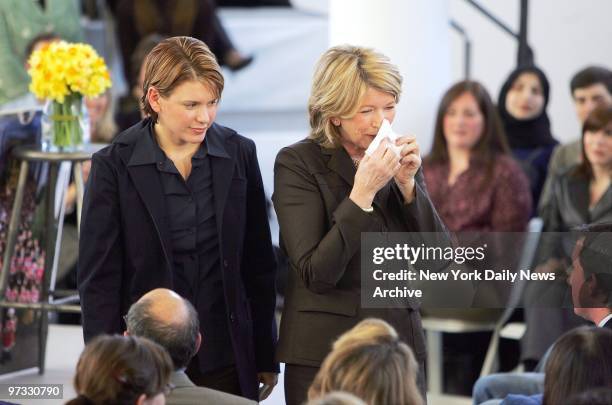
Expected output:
(415, 34)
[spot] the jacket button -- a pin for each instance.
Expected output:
(225, 263)
(232, 317)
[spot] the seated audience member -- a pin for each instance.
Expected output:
(475, 185)
(580, 195)
(63, 19)
(596, 396)
(522, 108)
(194, 18)
(171, 321)
(580, 360)
(337, 398)
(122, 370)
(101, 118)
(591, 87)
(371, 362)
(590, 283)
(473, 181)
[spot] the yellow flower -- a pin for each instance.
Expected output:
(61, 68)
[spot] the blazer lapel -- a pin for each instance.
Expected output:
(603, 206)
(148, 185)
(579, 189)
(222, 166)
(340, 163)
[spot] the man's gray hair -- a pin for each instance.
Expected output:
(178, 338)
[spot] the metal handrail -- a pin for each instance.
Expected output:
(467, 48)
(525, 53)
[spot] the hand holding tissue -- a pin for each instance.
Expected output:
(385, 131)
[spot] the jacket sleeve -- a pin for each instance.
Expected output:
(320, 251)
(100, 264)
(259, 268)
(420, 214)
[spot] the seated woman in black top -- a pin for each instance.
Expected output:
(522, 109)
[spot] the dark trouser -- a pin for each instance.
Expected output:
(297, 381)
(224, 379)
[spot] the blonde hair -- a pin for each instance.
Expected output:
(337, 398)
(177, 60)
(341, 78)
(370, 362)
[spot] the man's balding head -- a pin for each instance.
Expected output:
(168, 319)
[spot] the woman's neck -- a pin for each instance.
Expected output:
(459, 158)
(601, 174)
(171, 147)
(459, 162)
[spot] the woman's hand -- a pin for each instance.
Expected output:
(373, 173)
(410, 161)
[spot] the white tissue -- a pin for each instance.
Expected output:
(385, 131)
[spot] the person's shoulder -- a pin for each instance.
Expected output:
(304, 147)
(307, 151)
(131, 134)
(229, 135)
(124, 141)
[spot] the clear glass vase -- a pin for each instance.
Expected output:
(65, 125)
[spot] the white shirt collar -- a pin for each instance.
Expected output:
(604, 321)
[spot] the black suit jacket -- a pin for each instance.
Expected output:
(321, 234)
(125, 250)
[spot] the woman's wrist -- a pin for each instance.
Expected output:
(407, 189)
(362, 200)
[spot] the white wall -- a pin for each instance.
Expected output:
(566, 35)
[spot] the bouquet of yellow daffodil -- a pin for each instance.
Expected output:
(63, 73)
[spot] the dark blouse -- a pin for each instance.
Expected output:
(534, 162)
(502, 204)
(195, 246)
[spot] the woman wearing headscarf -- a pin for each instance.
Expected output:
(522, 108)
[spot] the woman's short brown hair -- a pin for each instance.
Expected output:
(177, 60)
(341, 78)
(119, 369)
(370, 362)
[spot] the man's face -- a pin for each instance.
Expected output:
(576, 279)
(586, 99)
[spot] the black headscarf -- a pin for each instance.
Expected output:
(530, 133)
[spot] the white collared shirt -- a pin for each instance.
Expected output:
(604, 321)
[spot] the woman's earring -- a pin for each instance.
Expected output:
(336, 122)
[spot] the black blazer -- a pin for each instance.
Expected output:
(125, 250)
(320, 231)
